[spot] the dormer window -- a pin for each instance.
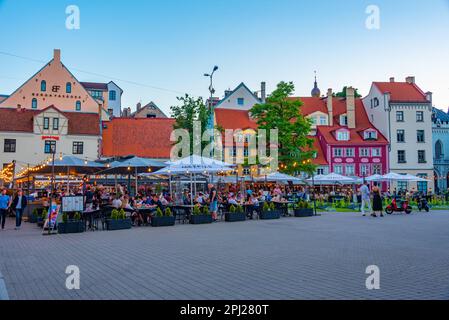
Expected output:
(343, 135)
(370, 135)
(240, 101)
(343, 120)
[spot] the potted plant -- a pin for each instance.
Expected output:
(118, 221)
(303, 209)
(200, 216)
(269, 212)
(41, 219)
(34, 216)
(235, 214)
(75, 225)
(163, 219)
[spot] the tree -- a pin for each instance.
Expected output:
(295, 149)
(342, 93)
(191, 109)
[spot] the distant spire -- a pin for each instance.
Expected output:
(316, 91)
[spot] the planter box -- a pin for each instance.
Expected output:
(270, 215)
(118, 224)
(235, 216)
(71, 227)
(300, 213)
(200, 219)
(162, 221)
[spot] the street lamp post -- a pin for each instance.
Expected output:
(313, 185)
(53, 152)
(211, 106)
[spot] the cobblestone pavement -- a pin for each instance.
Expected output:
(322, 257)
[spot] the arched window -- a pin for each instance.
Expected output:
(439, 152)
(68, 87)
(43, 85)
(112, 95)
(78, 106)
(34, 103)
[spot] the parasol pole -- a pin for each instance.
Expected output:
(68, 180)
(137, 188)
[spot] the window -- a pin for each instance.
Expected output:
(313, 121)
(240, 101)
(342, 135)
(375, 102)
(78, 106)
(96, 94)
(419, 116)
(421, 156)
(43, 86)
(370, 135)
(78, 147)
(323, 120)
(338, 152)
(343, 120)
(401, 156)
(376, 152)
(402, 185)
(364, 170)
(49, 146)
(350, 171)
(10, 146)
(377, 169)
(233, 152)
(364, 152)
(320, 171)
(46, 123)
(245, 152)
(112, 95)
(349, 152)
(420, 136)
(400, 135)
(55, 123)
(34, 103)
(422, 185)
(68, 87)
(400, 116)
(338, 169)
(439, 153)
(246, 171)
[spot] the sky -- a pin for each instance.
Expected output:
(157, 50)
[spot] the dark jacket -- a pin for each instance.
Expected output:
(16, 200)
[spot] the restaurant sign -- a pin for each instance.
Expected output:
(50, 138)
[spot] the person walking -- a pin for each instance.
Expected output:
(213, 201)
(18, 205)
(365, 193)
(377, 201)
(5, 202)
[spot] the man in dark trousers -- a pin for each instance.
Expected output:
(18, 205)
(4, 205)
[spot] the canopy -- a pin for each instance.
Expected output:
(374, 177)
(331, 179)
(198, 160)
(70, 165)
(278, 177)
(410, 177)
(132, 165)
(191, 169)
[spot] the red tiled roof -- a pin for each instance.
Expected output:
(146, 137)
(14, 120)
(234, 119)
(311, 104)
(402, 91)
(320, 159)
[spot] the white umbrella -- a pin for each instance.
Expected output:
(393, 176)
(278, 177)
(198, 160)
(410, 177)
(374, 177)
(332, 178)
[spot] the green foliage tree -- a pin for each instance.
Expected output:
(295, 149)
(342, 93)
(189, 110)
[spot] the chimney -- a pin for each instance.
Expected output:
(350, 107)
(263, 91)
(330, 109)
(57, 55)
(391, 79)
(139, 106)
(410, 80)
(429, 97)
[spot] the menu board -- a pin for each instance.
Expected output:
(73, 204)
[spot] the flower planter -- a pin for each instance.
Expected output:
(235, 216)
(307, 212)
(270, 215)
(71, 227)
(200, 219)
(121, 224)
(162, 221)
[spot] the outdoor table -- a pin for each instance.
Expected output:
(146, 212)
(91, 217)
(185, 208)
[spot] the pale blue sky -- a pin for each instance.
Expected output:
(171, 43)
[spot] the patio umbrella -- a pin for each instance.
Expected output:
(374, 177)
(332, 179)
(198, 160)
(278, 177)
(410, 177)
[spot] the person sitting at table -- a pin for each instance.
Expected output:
(117, 203)
(200, 199)
(186, 197)
(232, 200)
(253, 205)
